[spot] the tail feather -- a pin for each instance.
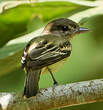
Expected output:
(31, 84)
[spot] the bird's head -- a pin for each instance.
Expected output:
(64, 27)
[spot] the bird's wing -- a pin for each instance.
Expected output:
(45, 53)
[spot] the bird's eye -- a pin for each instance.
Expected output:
(63, 28)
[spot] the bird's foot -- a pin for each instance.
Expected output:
(56, 83)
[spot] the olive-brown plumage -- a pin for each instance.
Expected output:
(45, 53)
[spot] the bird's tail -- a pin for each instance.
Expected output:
(31, 84)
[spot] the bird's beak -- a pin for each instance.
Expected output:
(82, 30)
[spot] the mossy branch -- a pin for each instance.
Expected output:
(56, 97)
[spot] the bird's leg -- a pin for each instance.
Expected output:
(54, 80)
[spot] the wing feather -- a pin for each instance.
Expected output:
(44, 58)
(45, 53)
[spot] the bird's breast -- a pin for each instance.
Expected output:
(54, 67)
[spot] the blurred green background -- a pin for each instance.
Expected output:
(20, 22)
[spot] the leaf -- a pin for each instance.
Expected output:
(10, 50)
(14, 21)
(10, 63)
(88, 13)
(10, 54)
(34, 24)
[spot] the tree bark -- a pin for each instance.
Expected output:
(56, 97)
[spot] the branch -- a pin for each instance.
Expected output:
(56, 97)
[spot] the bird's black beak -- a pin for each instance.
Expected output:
(82, 30)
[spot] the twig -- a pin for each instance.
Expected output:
(56, 97)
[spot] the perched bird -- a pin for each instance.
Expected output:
(46, 52)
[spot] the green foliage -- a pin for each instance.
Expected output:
(21, 23)
(19, 20)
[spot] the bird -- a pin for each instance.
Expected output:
(44, 53)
